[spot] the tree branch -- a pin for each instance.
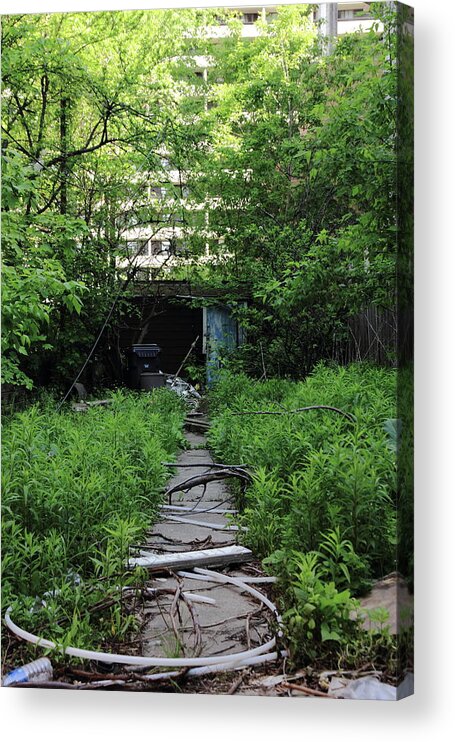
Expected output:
(347, 415)
(21, 108)
(44, 89)
(82, 151)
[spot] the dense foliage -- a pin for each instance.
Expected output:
(299, 170)
(321, 511)
(287, 203)
(314, 470)
(290, 152)
(78, 489)
(88, 100)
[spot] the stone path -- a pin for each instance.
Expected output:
(212, 619)
(192, 616)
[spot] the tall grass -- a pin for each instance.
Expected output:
(314, 471)
(78, 488)
(322, 508)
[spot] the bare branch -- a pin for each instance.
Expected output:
(347, 415)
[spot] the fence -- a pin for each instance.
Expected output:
(373, 336)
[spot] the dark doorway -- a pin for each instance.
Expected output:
(171, 324)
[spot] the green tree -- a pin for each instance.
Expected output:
(298, 169)
(87, 102)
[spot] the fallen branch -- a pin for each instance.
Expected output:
(205, 466)
(247, 631)
(204, 479)
(172, 613)
(214, 509)
(237, 683)
(347, 415)
(57, 685)
(306, 690)
(203, 524)
(184, 360)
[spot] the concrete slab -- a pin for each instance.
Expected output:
(187, 534)
(223, 625)
(236, 621)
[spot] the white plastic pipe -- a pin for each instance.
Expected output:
(222, 667)
(245, 578)
(225, 666)
(193, 597)
(199, 598)
(217, 577)
(160, 661)
(203, 524)
(127, 659)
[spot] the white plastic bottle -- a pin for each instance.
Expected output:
(39, 670)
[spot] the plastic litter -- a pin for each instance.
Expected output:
(184, 390)
(39, 670)
(363, 689)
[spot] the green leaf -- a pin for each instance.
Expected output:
(328, 634)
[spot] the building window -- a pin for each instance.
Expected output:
(156, 192)
(137, 247)
(249, 18)
(352, 15)
(156, 247)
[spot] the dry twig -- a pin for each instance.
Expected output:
(347, 415)
(306, 690)
(204, 479)
(196, 624)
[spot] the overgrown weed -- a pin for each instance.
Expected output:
(78, 489)
(321, 510)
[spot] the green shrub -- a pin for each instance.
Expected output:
(321, 509)
(78, 489)
(316, 470)
(320, 618)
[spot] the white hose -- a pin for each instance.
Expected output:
(245, 578)
(160, 661)
(89, 654)
(193, 597)
(217, 577)
(222, 667)
(203, 524)
(199, 598)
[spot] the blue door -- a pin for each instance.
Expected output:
(222, 336)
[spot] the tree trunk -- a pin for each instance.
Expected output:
(64, 149)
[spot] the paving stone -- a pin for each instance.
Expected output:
(223, 625)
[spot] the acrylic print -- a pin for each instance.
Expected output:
(207, 351)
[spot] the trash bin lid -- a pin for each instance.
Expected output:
(150, 350)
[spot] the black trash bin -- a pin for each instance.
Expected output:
(142, 360)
